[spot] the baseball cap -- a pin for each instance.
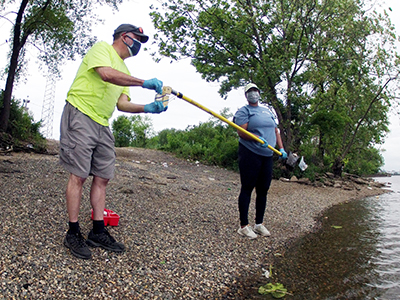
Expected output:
(250, 86)
(134, 29)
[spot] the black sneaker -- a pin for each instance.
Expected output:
(105, 241)
(76, 244)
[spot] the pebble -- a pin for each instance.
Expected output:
(180, 234)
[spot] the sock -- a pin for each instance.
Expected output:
(98, 226)
(73, 227)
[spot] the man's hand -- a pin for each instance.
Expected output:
(265, 145)
(155, 107)
(153, 84)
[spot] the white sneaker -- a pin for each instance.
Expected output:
(260, 229)
(247, 231)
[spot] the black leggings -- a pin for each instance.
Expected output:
(255, 172)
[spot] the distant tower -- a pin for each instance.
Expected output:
(48, 107)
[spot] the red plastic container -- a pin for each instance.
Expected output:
(110, 218)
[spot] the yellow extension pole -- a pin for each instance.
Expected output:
(181, 96)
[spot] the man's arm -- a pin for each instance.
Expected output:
(125, 105)
(116, 77)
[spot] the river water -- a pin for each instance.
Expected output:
(355, 255)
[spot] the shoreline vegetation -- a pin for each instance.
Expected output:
(178, 220)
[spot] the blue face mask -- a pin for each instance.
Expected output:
(134, 49)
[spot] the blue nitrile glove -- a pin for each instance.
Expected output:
(155, 107)
(153, 84)
(265, 145)
(284, 154)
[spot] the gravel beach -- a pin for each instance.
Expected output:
(178, 221)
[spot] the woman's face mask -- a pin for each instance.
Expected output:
(253, 96)
(134, 49)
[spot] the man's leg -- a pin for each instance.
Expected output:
(74, 239)
(98, 196)
(74, 195)
(78, 138)
(97, 200)
(99, 236)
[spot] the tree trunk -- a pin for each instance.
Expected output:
(285, 130)
(18, 43)
(5, 112)
(337, 167)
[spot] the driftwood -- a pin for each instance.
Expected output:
(346, 181)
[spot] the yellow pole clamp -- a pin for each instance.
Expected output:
(164, 97)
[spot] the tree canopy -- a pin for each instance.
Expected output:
(59, 29)
(329, 68)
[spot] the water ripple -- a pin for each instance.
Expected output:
(359, 261)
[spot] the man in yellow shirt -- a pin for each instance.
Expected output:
(86, 142)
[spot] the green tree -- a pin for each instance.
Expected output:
(123, 131)
(352, 96)
(133, 131)
(21, 130)
(60, 29)
(330, 57)
(163, 137)
(142, 130)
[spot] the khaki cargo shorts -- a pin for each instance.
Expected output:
(86, 147)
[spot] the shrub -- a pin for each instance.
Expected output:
(22, 129)
(210, 142)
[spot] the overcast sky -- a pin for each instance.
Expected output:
(181, 76)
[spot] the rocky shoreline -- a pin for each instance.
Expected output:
(178, 222)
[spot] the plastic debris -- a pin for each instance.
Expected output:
(302, 165)
(265, 273)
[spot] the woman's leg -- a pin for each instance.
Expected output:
(249, 166)
(262, 187)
